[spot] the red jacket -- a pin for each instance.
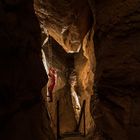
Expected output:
(52, 77)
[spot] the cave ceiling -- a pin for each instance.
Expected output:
(66, 21)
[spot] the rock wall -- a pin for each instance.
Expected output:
(22, 75)
(66, 21)
(85, 67)
(115, 107)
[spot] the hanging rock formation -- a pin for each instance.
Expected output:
(66, 21)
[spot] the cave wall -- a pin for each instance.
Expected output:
(115, 107)
(85, 67)
(22, 75)
(66, 21)
(115, 104)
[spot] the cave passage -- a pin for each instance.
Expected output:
(91, 61)
(50, 53)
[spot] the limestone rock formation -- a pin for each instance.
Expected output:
(101, 44)
(116, 100)
(70, 25)
(85, 66)
(66, 21)
(65, 64)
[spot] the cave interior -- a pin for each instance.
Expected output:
(69, 70)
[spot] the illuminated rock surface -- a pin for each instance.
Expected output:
(99, 41)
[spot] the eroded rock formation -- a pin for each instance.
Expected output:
(66, 21)
(72, 28)
(116, 100)
(110, 29)
(65, 64)
(85, 66)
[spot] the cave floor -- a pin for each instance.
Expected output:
(74, 138)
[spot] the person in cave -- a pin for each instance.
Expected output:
(51, 84)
